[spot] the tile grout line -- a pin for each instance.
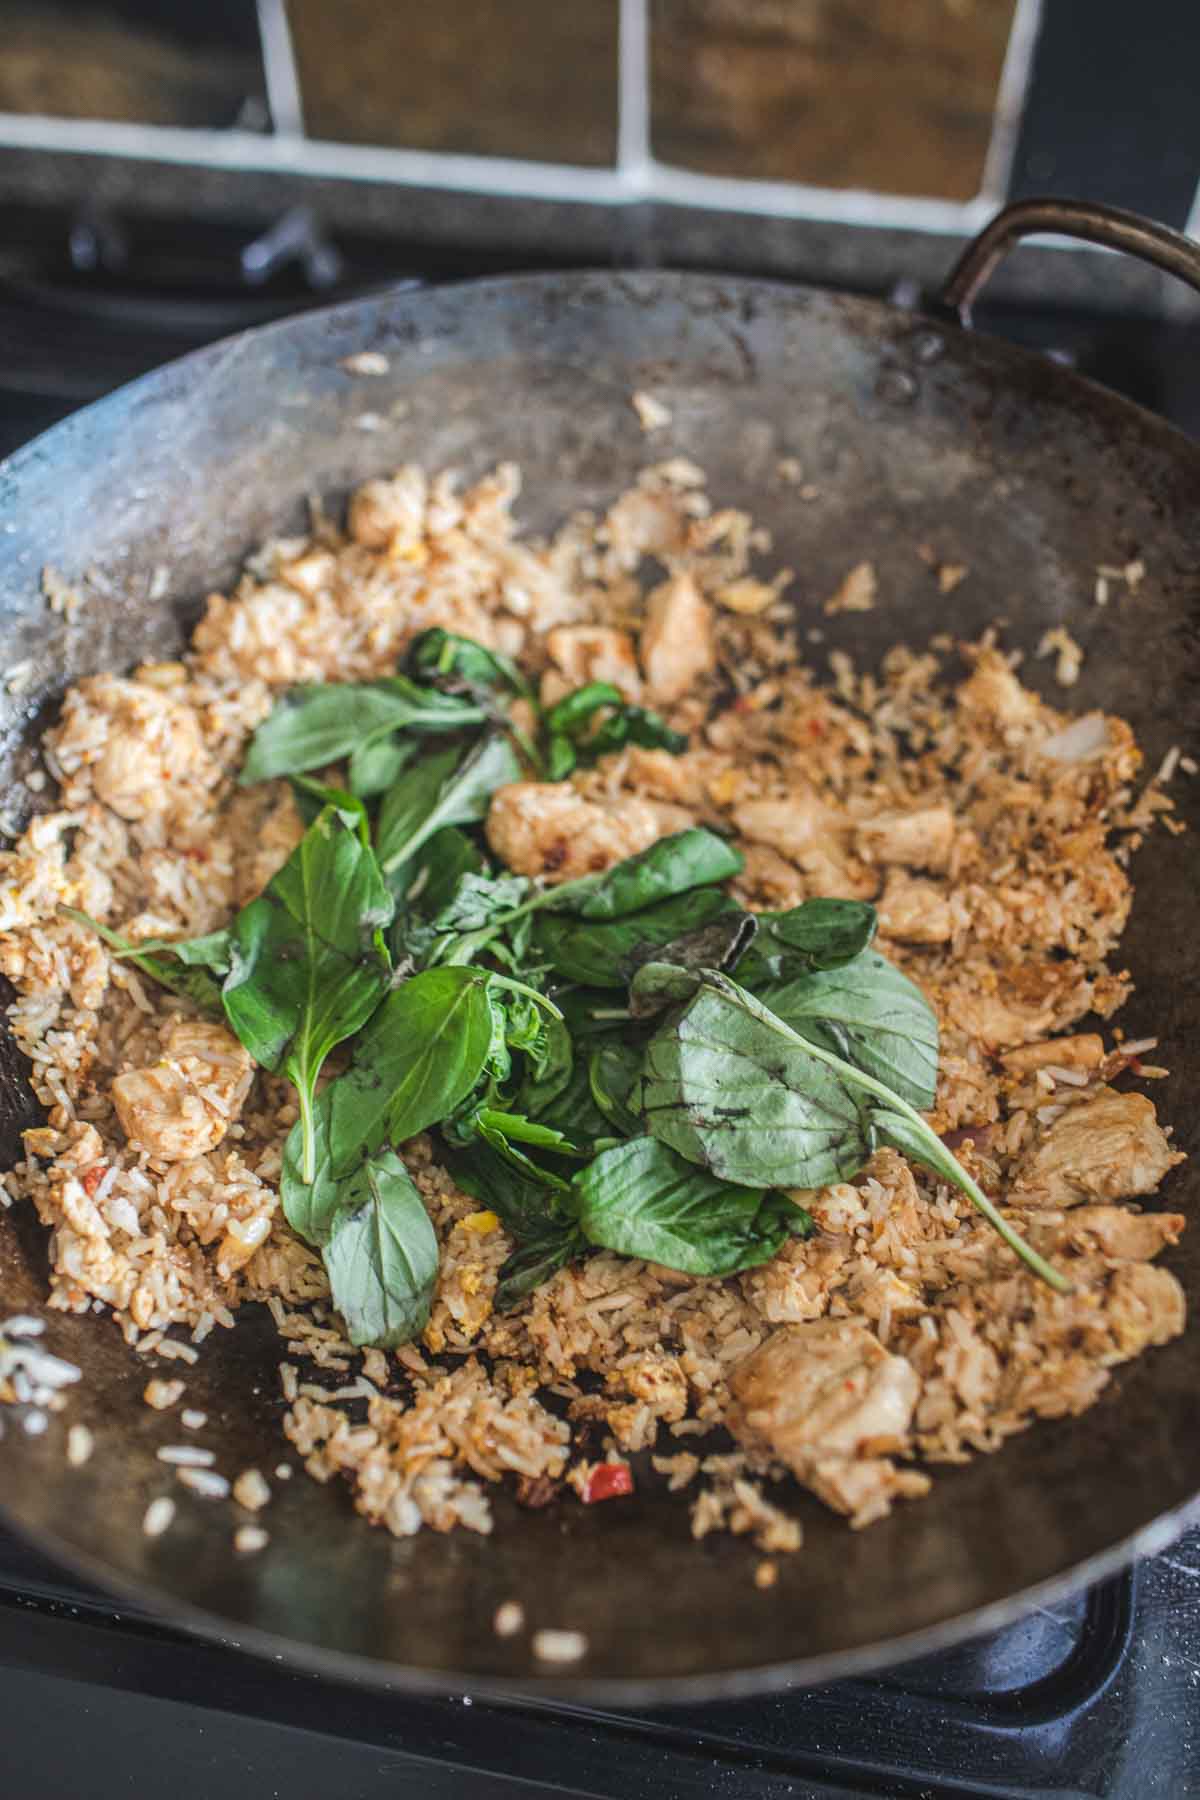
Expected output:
(282, 78)
(998, 163)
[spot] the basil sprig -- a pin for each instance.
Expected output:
(629, 1061)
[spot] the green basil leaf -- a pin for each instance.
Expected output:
(723, 1087)
(569, 715)
(605, 952)
(870, 1015)
(657, 985)
(687, 859)
(718, 945)
(316, 725)
(437, 655)
(533, 1262)
(478, 899)
(376, 762)
(312, 797)
(519, 1129)
(641, 1199)
(311, 1206)
(445, 789)
(560, 757)
(189, 976)
(421, 1056)
(614, 1069)
(382, 1256)
(818, 934)
(534, 1216)
(307, 963)
(633, 725)
(547, 1076)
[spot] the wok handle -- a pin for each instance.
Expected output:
(1085, 219)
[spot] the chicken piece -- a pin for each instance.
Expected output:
(829, 1401)
(389, 515)
(914, 912)
(1020, 1008)
(804, 830)
(153, 748)
(677, 645)
(184, 1104)
(1085, 1051)
(549, 829)
(310, 573)
(1120, 1232)
(1107, 1148)
(993, 692)
(583, 653)
(921, 839)
(1146, 1306)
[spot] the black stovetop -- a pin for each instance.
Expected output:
(1095, 1696)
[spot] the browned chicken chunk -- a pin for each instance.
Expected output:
(920, 839)
(677, 639)
(583, 653)
(829, 1401)
(548, 828)
(914, 912)
(185, 1103)
(1107, 1148)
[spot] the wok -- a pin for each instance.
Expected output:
(915, 432)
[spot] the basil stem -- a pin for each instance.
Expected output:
(908, 1132)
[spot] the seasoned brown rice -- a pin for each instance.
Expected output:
(992, 832)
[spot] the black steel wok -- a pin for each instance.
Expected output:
(915, 432)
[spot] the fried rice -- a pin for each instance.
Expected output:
(992, 832)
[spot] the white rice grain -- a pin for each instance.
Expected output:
(186, 1456)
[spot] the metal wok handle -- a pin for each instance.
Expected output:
(1085, 219)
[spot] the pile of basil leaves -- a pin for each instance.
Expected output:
(628, 1061)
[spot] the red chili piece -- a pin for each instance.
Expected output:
(608, 1482)
(94, 1176)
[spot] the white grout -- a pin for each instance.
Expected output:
(496, 176)
(279, 69)
(633, 92)
(1010, 100)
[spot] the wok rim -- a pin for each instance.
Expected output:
(744, 1681)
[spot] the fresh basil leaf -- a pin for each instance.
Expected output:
(724, 1086)
(316, 725)
(478, 899)
(533, 1262)
(310, 1206)
(519, 1129)
(641, 1199)
(534, 1216)
(547, 1075)
(818, 934)
(436, 870)
(307, 963)
(614, 1069)
(633, 725)
(568, 716)
(382, 1255)
(605, 952)
(674, 865)
(572, 1109)
(189, 976)
(436, 655)
(313, 796)
(446, 789)
(421, 1056)
(375, 763)
(559, 757)
(718, 945)
(657, 985)
(870, 1015)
